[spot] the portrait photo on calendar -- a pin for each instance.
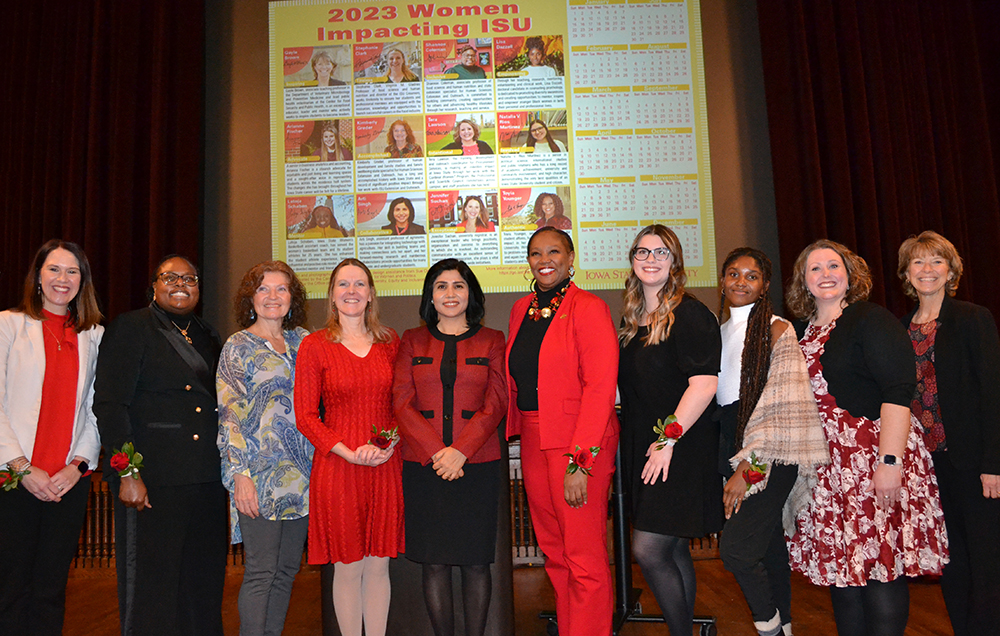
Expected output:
(533, 57)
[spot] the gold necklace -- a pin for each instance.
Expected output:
(54, 337)
(184, 331)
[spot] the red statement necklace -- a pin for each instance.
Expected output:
(537, 314)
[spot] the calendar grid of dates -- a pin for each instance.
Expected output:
(635, 144)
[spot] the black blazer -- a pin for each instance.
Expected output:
(153, 389)
(868, 360)
(967, 365)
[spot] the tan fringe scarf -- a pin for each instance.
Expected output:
(785, 427)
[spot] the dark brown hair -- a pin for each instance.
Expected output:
(83, 310)
(756, 359)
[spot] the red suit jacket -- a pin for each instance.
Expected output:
(577, 373)
(480, 400)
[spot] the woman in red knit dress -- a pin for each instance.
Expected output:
(356, 499)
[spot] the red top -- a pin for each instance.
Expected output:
(354, 511)
(477, 394)
(58, 407)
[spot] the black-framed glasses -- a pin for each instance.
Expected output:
(659, 254)
(170, 278)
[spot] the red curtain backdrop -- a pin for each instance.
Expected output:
(885, 121)
(100, 137)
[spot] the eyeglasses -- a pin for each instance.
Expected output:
(170, 278)
(642, 254)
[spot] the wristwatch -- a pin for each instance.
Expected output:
(81, 466)
(889, 460)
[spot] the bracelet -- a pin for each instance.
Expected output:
(669, 432)
(582, 460)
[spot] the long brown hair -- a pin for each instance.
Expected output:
(379, 332)
(757, 345)
(661, 319)
(83, 310)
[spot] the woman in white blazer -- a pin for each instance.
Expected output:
(48, 435)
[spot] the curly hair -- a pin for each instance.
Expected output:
(929, 243)
(859, 279)
(379, 332)
(391, 141)
(83, 309)
(756, 358)
(534, 43)
(243, 301)
(661, 319)
(556, 201)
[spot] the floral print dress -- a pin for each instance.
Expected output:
(844, 538)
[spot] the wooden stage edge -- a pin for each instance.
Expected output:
(91, 605)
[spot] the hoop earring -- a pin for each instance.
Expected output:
(527, 275)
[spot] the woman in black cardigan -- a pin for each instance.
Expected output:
(874, 517)
(958, 406)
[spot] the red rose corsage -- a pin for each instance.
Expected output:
(669, 432)
(11, 477)
(756, 473)
(127, 461)
(582, 460)
(384, 439)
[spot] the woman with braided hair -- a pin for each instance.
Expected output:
(769, 432)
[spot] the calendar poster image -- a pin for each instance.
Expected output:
(407, 132)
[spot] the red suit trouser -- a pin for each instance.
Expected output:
(574, 540)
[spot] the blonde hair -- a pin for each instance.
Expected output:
(929, 243)
(859, 278)
(379, 332)
(661, 319)
(407, 73)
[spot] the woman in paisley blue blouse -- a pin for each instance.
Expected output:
(265, 460)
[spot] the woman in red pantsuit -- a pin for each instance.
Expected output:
(356, 499)
(561, 353)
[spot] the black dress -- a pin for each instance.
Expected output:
(651, 381)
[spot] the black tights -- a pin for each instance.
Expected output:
(477, 587)
(876, 609)
(668, 569)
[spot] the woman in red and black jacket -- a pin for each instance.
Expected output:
(450, 394)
